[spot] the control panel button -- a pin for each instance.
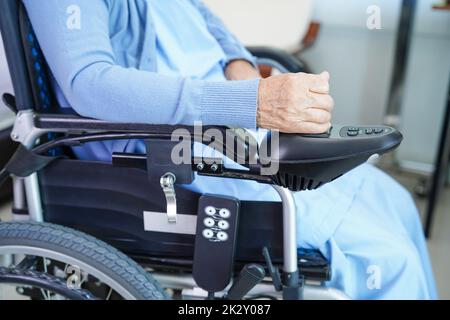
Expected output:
(224, 225)
(210, 211)
(222, 236)
(369, 131)
(224, 213)
(208, 233)
(352, 133)
(209, 222)
(378, 130)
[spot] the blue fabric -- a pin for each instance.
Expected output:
(364, 222)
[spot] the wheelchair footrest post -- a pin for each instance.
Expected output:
(293, 286)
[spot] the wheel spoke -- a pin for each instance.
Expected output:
(46, 294)
(109, 294)
(27, 262)
(45, 271)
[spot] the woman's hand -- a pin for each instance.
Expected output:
(241, 70)
(295, 103)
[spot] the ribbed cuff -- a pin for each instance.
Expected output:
(232, 103)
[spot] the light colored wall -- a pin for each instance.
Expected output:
(361, 60)
(280, 23)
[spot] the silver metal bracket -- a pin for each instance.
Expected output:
(26, 133)
(167, 182)
(24, 130)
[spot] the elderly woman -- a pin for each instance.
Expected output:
(174, 62)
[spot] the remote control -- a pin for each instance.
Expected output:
(215, 241)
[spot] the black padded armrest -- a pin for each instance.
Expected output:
(281, 57)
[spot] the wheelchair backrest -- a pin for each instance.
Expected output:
(29, 72)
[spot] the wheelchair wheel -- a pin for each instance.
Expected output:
(50, 253)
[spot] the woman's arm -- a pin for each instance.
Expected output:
(83, 63)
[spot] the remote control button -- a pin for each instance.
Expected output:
(369, 131)
(210, 211)
(209, 222)
(222, 236)
(352, 133)
(353, 129)
(208, 234)
(224, 225)
(225, 213)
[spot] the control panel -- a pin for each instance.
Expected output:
(363, 132)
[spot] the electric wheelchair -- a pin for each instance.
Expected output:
(128, 229)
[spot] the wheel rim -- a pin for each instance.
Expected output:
(60, 257)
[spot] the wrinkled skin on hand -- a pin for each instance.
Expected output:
(295, 103)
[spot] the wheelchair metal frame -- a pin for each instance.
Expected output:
(27, 195)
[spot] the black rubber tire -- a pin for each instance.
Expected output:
(87, 249)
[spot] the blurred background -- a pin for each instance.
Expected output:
(390, 63)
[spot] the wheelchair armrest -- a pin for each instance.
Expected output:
(277, 58)
(302, 162)
(307, 162)
(73, 122)
(82, 130)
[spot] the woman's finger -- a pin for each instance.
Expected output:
(320, 83)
